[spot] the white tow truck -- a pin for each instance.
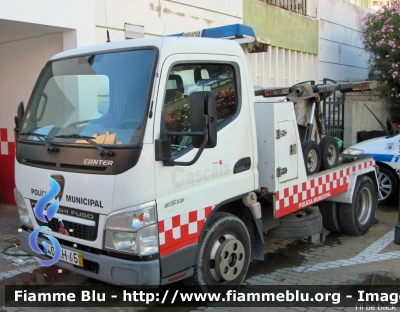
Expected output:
(168, 167)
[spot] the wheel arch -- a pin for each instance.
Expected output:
(374, 177)
(236, 207)
(389, 168)
(389, 192)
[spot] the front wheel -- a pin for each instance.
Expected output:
(356, 218)
(224, 253)
(388, 185)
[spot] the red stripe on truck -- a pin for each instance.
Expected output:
(181, 230)
(306, 194)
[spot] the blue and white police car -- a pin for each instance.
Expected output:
(386, 153)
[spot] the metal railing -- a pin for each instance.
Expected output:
(333, 111)
(298, 6)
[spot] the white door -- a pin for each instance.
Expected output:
(186, 195)
(287, 151)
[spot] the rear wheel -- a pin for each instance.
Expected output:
(329, 152)
(330, 218)
(312, 156)
(224, 253)
(388, 185)
(356, 218)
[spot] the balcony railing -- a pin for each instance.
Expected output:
(298, 6)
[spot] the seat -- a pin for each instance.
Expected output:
(201, 77)
(175, 89)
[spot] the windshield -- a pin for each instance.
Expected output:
(101, 96)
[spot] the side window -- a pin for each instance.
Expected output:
(187, 78)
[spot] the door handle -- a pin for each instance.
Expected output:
(242, 165)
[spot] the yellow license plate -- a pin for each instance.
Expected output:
(69, 256)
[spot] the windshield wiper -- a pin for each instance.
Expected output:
(104, 151)
(42, 138)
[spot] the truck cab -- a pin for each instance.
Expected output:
(92, 121)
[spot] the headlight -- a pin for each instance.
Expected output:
(352, 151)
(22, 209)
(133, 230)
(132, 219)
(121, 241)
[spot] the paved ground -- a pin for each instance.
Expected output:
(371, 259)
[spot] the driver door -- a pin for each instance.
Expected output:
(186, 195)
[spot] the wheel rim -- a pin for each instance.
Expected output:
(385, 186)
(364, 203)
(312, 160)
(227, 258)
(331, 155)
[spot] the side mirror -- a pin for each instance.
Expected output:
(20, 115)
(203, 124)
(202, 104)
(163, 149)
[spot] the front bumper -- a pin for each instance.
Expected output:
(111, 270)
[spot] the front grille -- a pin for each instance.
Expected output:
(39, 162)
(73, 229)
(80, 167)
(90, 266)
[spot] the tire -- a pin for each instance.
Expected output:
(224, 253)
(330, 218)
(299, 224)
(311, 156)
(357, 217)
(329, 153)
(388, 185)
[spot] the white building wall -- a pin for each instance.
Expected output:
(19, 71)
(73, 15)
(32, 31)
(164, 16)
(282, 67)
(341, 53)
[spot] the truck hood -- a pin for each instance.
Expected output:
(375, 144)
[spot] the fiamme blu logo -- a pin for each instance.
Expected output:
(41, 214)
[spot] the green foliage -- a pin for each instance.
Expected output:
(381, 37)
(177, 119)
(226, 103)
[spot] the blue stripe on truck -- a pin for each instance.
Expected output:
(380, 157)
